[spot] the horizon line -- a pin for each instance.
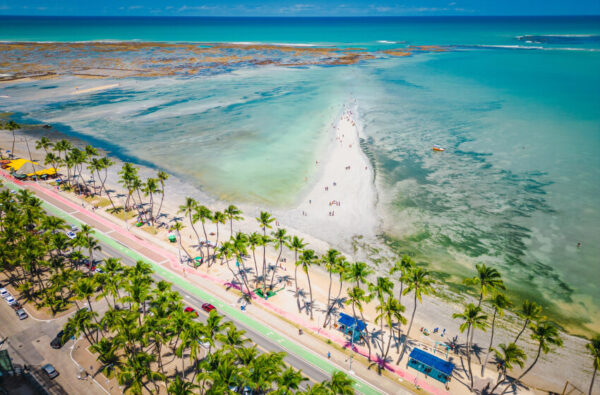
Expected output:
(310, 16)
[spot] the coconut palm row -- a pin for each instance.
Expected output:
(412, 279)
(141, 195)
(140, 334)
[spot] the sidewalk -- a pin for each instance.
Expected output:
(166, 264)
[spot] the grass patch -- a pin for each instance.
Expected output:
(150, 229)
(122, 214)
(103, 202)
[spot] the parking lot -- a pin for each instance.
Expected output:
(28, 343)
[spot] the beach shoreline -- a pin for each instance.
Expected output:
(435, 312)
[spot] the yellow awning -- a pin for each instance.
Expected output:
(18, 163)
(50, 172)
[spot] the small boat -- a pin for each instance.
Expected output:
(438, 148)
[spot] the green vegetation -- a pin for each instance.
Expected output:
(145, 339)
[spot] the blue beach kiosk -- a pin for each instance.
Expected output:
(431, 365)
(351, 327)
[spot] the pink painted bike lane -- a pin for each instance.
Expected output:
(162, 257)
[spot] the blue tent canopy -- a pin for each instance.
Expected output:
(432, 361)
(349, 322)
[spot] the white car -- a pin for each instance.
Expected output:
(10, 300)
(4, 293)
(74, 229)
(71, 235)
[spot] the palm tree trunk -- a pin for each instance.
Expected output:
(368, 337)
(501, 378)
(311, 295)
(276, 263)
(470, 331)
(593, 377)
(264, 271)
(328, 301)
(491, 343)
(526, 370)
(388, 347)
(412, 317)
(522, 330)
(194, 229)
(255, 268)
(296, 281)
(162, 198)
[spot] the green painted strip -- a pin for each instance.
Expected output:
(223, 307)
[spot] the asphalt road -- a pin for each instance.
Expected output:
(261, 340)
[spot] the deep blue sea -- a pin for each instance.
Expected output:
(515, 101)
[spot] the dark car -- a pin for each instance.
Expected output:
(50, 371)
(57, 342)
(208, 307)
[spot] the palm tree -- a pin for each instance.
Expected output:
(265, 220)
(594, 348)
(188, 209)
(508, 356)
(162, 177)
(340, 384)
(296, 244)
(403, 267)
(12, 126)
(488, 279)
(530, 311)
(234, 214)
(280, 239)
(356, 297)
(44, 143)
(546, 335)
(390, 311)
(499, 303)
(290, 379)
(359, 271)
(128, 175)
(177, 227)
(107, 355)
(307, 259)
(330, 260)
(218, 218)
(203, 214)
(150, 189)
(180, 386)
(341, 269)
(473, 318)
(419, 282)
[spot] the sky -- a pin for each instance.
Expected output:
(293, 8)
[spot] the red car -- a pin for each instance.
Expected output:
(208, 307)
(190, 310)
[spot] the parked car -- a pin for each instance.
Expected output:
(57, 342)
(22, 314)
(50, 371)
(16, 306)
(208, 307)
(71, 235)
(10, 300)
(191, 311)
(4, 293)
(74, 229)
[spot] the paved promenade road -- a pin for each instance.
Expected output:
(116, 241)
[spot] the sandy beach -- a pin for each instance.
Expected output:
(340, 201)
(343, 210)
(94, 89)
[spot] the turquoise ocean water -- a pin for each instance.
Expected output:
(515, 101)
